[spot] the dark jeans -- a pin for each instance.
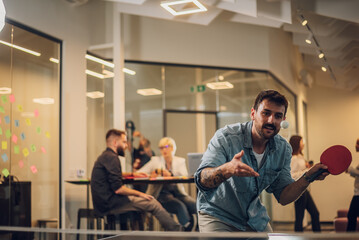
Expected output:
(182, 206)
(353, 214)
(306, 202)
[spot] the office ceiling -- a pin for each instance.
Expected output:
(333, 23)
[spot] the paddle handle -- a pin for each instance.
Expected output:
(316, 174)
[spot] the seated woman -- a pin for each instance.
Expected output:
(172, 196)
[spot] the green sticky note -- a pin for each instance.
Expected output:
(8, 133)
(33, 148)
(4, 98)
(0, 131)
(2, 110)
(5, 172)
(38, 130)
(16, 149)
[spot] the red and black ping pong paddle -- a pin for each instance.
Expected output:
(337, 158)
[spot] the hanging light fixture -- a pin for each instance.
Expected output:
(2, 15)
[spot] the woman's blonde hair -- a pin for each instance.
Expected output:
(168, 141)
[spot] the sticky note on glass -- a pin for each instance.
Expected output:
(20, 108)
(0, 131)
(5, 172)
(12, 98)
(25, 151)
(8, 133)
(4, 157)
(16, 149)
(33, 169)
(47, 134)
(36, 113)
(21, 163)
(28, 121)
(38, 130)
(22, 135)
(7, 119)
(2, 110)
(14, 138)
(43, 150)
(33, 148)
(3, 145)
(4, 98)
(17, 123)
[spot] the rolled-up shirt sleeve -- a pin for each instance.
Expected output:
(214, 156)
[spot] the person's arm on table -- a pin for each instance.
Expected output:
(291, 192)
(213, 177)
(123, 190)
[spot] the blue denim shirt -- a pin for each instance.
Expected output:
(236, 201)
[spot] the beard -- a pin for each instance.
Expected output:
(120, 151)
(261, 130)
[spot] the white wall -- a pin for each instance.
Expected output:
(333, 117)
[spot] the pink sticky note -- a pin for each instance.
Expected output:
(43, 149)
(21, 164)
(36, 112)
(12, 98)
(14, 138)
(33, 169)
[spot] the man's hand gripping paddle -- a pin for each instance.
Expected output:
(337, 158)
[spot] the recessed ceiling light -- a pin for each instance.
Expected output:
(94, 74)
(54, 60)
(44, 100)
(99, 60)
(149, 91)
(219, 85)
(21, 48)
(5, 90)
(128, 71)
(179, 7)
(95, 94)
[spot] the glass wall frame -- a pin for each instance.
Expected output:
(30, 123)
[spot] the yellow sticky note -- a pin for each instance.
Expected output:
(25, 151)
(4, 145)
(47, 134)
(20, 108)
(28, 121)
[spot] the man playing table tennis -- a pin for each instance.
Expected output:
(240, 162)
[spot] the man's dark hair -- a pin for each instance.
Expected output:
(294, 141)
(114, 132)
(272, 96)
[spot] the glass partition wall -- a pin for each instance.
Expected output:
(229, 92)
(29, 127)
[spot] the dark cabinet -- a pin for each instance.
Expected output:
(15, 207)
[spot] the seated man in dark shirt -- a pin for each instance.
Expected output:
(111, 196)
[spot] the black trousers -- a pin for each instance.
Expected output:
(305, 202)
(353, 214)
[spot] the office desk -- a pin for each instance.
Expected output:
(135, 181)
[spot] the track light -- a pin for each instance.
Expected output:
(324, 69)
(302, 20)
(321, 54)
(309, 38)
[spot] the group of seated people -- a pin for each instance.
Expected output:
(111, 196)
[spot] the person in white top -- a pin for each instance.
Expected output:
(354, 205)
(305, 202)
(172, 196)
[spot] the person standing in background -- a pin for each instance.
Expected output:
(299, 167)
(354, 205)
